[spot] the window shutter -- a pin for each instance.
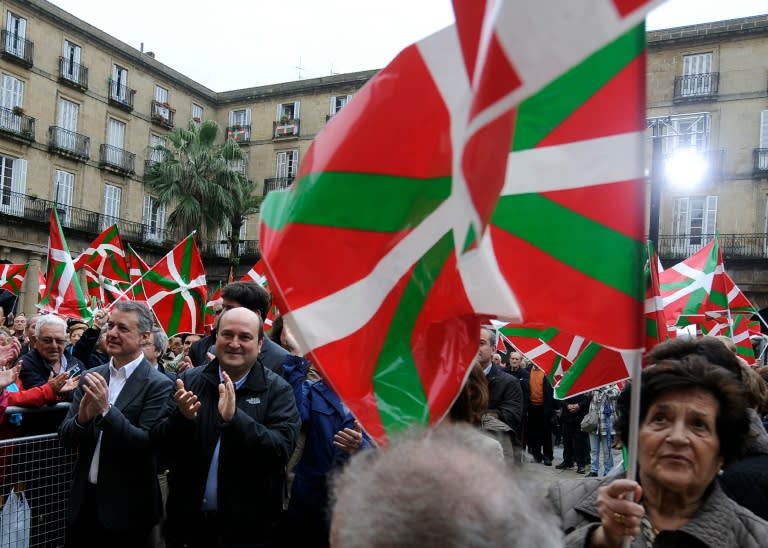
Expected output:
(147, 210)
(296, 114)
(680, 216)
(64, 187)
(19, 176)
(332, 110)
(293, 163)
(710, 215)
(279, 112)
(764, 129)
(282, 165)
(247, 117)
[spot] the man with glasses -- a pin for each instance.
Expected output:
(46, 359)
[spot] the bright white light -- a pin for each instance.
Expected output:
(686, 168)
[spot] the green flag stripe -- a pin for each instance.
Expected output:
(675, 285)
(521, 332)
(333, 199)
(541, 113)
(576, 369)
(583, 244)
(553, 373)
(651, 328)
(396, 381)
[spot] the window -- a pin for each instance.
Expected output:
(11, 96)
(762, 158)
(222, 237)
(119, 88)
(154, 141)
(197, 113)
(154, 219)
(239, 125)
(161, 108)
(64, 183)
(287, 112)
(67, 121)
(161, 94)
(13, 182)
(287, 164)
(70, 68)
(116, 133)
(694, 220)
(240, 117)
(15, 43)
(237, 165)
(686, 131)
(697, 74)
(111, 205)
(338, 102)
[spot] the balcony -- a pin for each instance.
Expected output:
(16, 125)
(68, 143)
(220, 248)
(162, 114)
(73, 74)
(239, 133)
(121, 96)
(696, 87)
(286, 129)
(16, 49)
(733, 246)
(117, 160)
(277, 183)
(760, 159)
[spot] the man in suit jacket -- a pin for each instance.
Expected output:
(505, 394)
(115, 498)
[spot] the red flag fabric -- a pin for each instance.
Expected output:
(63, 294)
(137, 268)
(655, 317)
(176, 290)
(12, 277)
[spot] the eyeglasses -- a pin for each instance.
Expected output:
(51, 340)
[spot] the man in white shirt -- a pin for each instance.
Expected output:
(115, 498)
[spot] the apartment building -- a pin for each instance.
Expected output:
(708, 114)
(78, 112)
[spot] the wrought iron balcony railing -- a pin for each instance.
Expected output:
(286, 129)
(760, 157)
(239, 133)
(162, 114)
(121, 96)
(68, 143)
(22, 207)
(15, 124)
(73, 74)
(117, 159)
(696, 87)
(16, 49)
(277, 183)
(733, 246)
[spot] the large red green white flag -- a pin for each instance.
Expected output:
(530, 119)
(739, 329)
(12, 277)
(176, 290)
(527, 341)
(104, 290)
(63, 294)
(699, 287)
(106, 267)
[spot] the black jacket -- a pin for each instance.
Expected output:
(255, 447)
(506, 397)
(35, 370)
(574, 418)
(127, 491)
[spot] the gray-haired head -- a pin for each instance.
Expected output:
(49, 319)
(436, 490)
(491, 335)
(144, 317)
(159, 340)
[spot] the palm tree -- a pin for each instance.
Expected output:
(198, 176)
(243, 203)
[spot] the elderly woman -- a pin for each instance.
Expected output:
(693, 420)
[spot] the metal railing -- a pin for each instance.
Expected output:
(73, 74)
(117, 158)
(733, 246)
(696, 87)
(68, 143)
(277, 183)
(760, 159)
(285, 129)
(16, 48)
(31, 208)
(15, 123)
(239, 133)
(162, 114)
(121, 96)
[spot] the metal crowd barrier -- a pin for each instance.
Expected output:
(40, 468)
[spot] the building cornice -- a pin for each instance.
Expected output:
(706, 32)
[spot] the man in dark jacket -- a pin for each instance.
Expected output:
(47, 355)
(248, 295)
(575, 442)
(505, 394)
(233, 427)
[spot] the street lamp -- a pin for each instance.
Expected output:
(686, 168)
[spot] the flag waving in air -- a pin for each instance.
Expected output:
(63, 294)
(137, 267)
(12, 277)
(106, 267)
(530, 119)
(176, 290)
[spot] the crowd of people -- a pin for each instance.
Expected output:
(233, 439)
